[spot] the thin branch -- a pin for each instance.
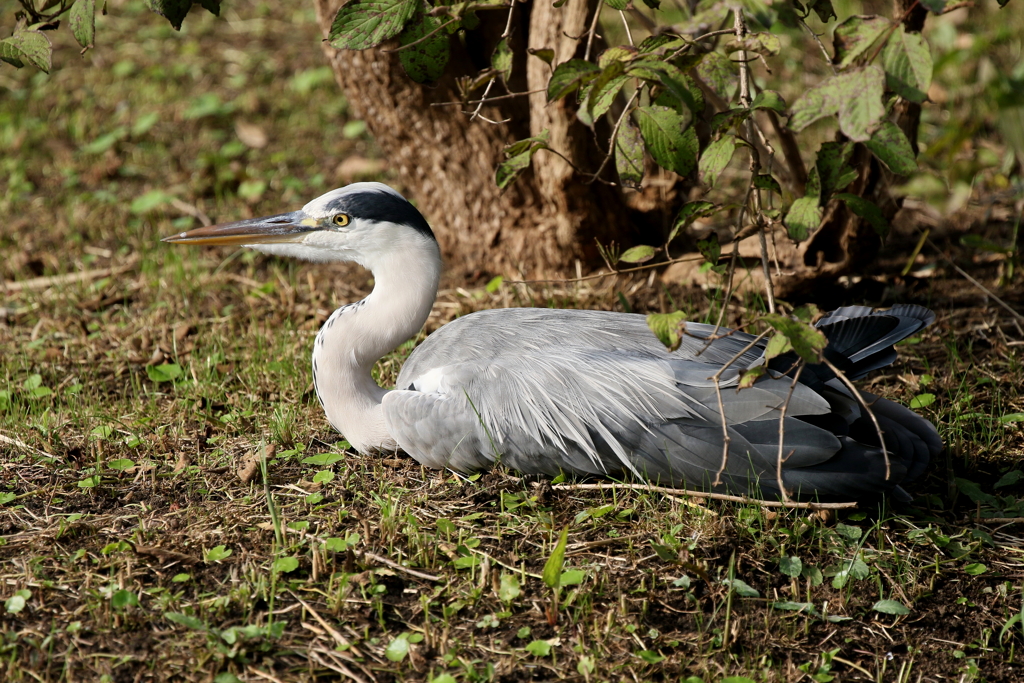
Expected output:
(648, 266)
(721, 405)
(740, 27)
(828, 60)
(490, 99)
(782, 433)
(420, 40)
(703, 494)
(860, 399)
(629, 34)
(988, 292)
(508, 24)
(615, 131)
(591, 32)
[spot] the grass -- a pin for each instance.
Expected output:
(173, 504)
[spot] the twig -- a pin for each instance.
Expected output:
(704, 494)
(21, 444)
(67, 278)
(974, 282)
(740, 28)
(860, 399)
(333, 666)
(612, 138)
(721, 405)
(592, 31)
(490, 99)
(508, 24)
(681, 259)
(421, 39)
(782, 433)
(828, 60)
(399, 567)
(629, 34)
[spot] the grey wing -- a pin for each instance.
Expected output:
(598, 412)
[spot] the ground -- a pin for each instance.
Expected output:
(173, 504)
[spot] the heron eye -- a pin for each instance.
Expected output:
(341, 220)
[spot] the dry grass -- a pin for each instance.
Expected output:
(173, 504)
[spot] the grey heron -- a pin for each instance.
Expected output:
(548, 391)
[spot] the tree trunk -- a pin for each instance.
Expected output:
(445, 159)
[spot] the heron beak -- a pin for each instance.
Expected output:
(285, 227)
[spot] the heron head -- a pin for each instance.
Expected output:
(359, 222)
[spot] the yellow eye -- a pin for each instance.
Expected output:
(341, 220)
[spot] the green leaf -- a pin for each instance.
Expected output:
(619, 53)
(908, 65)
(710, 248)
(569, 76)
(715, 158)
(617, 4)
(769, 99)
(861, 108)
(973, 491)
(175, 11)
(638, 254)
(922, 401)
(650, 656)
(323, 477)
(538, 648)
(82, 19)
(791, 566)
(520, 154)
(284, 565)
(545, 54)
(150, 201)
(719, 73)
(1009, 479)
(629, 155)
(572, 577)
(823, 8)
(803, 218)
(806, 340)
(123, 598)
(508, 588)
(890, 607)
(366, 23)
(90, 482)
(121, 464)
(397, 650)
(424, 62)
(664, 553)
(323, 459)
(764, 181)
(689, 213)
(662, 130)
(553, 567)
(750, 376)
(668, 328)
(893, 149)
(741, 588)
(833, 171)
(975, 569)
(501, 59)
(27, 46)
(795, 606)
(856, 35)
(168, 372)
(185, 620)
(867, 210)
(218, 553)
(1012, 417)
(494, 284)
(602, 95)
(16, 603)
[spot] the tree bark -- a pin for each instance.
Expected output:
(445, 160)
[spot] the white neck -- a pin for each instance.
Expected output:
(356, 336)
